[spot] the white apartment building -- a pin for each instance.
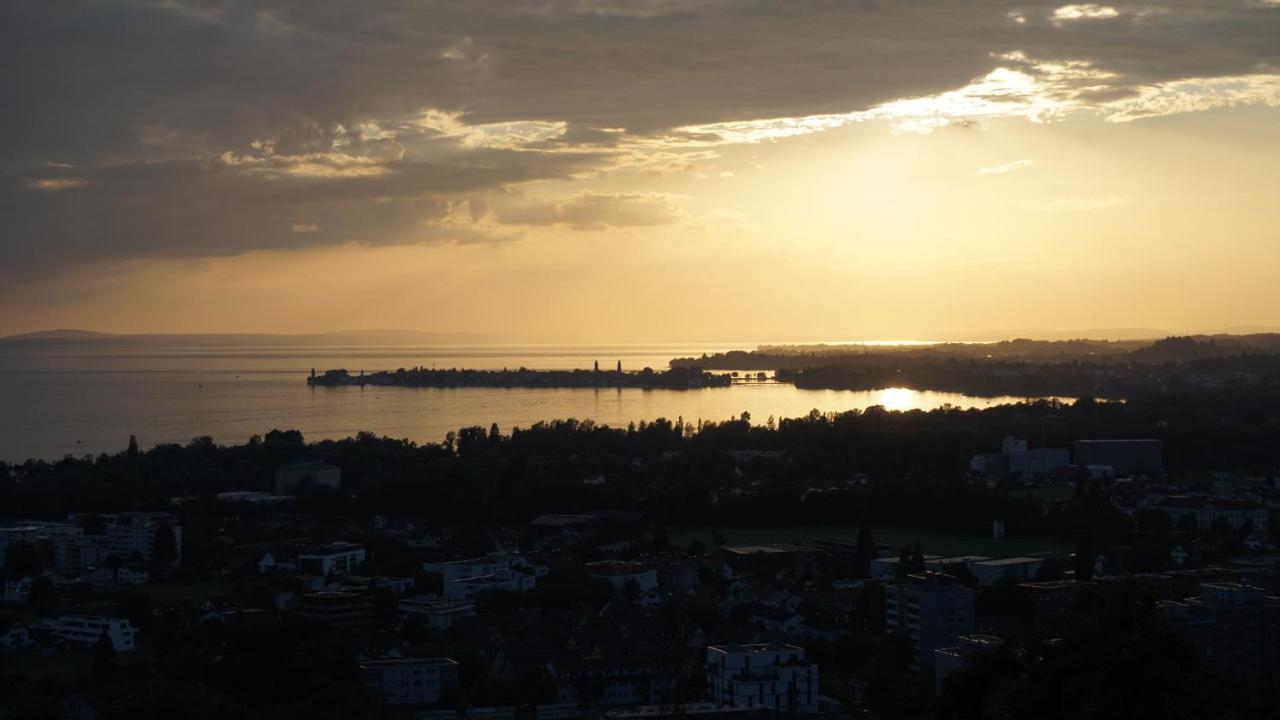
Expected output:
(86, 629)
(773, 675)
(339, 558)
(135, 532)
(409, 681)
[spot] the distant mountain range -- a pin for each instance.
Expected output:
(339, 337)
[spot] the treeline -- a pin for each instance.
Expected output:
(673, 379)
(992, 377)
(886, 467)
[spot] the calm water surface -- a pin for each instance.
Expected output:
(60, 399)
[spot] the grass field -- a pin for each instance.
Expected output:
(933, 542)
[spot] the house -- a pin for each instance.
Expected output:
(620, 574)
(1207, 511)
(17, 591)
(776, 619)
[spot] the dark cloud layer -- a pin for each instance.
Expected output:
(134, 127)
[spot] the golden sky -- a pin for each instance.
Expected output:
(642, 171)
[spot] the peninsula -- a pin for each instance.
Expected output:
(683, 378)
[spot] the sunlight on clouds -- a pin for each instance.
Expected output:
(56, 184)
(1183, 96)
(506, 135)
(1035, 90)
(1090, 11)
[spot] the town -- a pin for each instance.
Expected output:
(573, 571)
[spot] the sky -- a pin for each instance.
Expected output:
(639, 170)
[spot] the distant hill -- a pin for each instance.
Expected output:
(341, 337)
(60, 334)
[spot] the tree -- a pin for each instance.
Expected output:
(43, 595)
(660, 539)
(104, 659)
(1154, 522)
(164, 552)
(132, 452)
(631, 590)
(863, 553)
(22, 559)
(1188, 525)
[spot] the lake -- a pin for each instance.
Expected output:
(74, 398)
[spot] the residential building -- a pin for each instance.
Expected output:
(773, 675)
(339, 558)
(439, 615)
(87, 629)
(1015, 459)
(1123, 456)
(1207, 511)
(409, 681)
(956, 657)
(307, 474)
(336, 610)
(931, 610)
(502, 581)
(464, 579)
(1234, 627)
(134, 533)
(886, 568)
(1051, 598)
(1014, 569)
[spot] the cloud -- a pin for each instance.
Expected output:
(1083, 203)
(56, 184)
(1006, 168)
(594, 211)
(191, 127)
(1067, 13)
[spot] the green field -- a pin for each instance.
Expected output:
(933, 542)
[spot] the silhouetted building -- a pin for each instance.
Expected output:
(307, 474)
(1234, 627)
(931, 610)
(1123, 456)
